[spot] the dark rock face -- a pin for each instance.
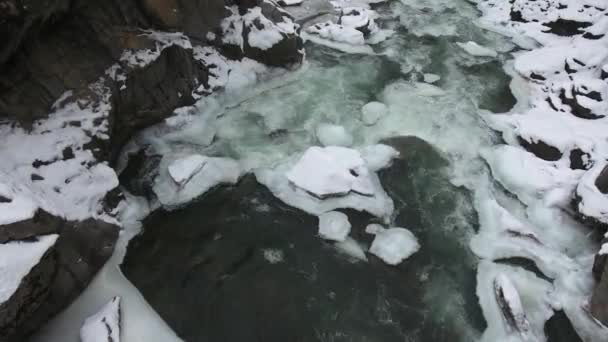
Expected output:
(211, 269)
(63, 273)
(541, 149)
(566, 27)
(139, 174)
(599, 299)
(558, 328)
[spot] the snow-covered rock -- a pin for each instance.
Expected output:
(431, 78)
(372, 112)
(394, 245)
(17, 259)
(103, 326)
(333, 135)
(334, 225)
(183, 169)
(374, 229)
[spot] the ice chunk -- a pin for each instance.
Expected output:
(17, 259)
(337, 33)
(330, 171)
(351, 248)
(183, 169)
(214, 171)
(290, 2)
(394, 245)
(334, 226)
(431, 78)
(333, 135)
(103, 326)
(273, 256)
(374, 229)
(378, 156)
(372, 112)
(475, 49)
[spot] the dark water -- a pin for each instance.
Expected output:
(202, 268)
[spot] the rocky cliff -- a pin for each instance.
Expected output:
(77, 80)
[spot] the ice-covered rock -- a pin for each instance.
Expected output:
(183, 169)
(337, 33)
(592, 194)
(212, 171)
(103, 326)
(477, 50)
(358, 18)
(372, 112)
(374, 229)
(333, 135)
(334, 225)
(331, 171)
(510, 305)
(394, 245)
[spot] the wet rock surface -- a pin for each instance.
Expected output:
(239, 264)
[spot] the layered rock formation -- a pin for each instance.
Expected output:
(77, 80)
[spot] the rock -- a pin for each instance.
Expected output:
(358, 18)
(599, 299)
(559, 329)
(580, 160)
(334, 226)
(140, 173)
(62, 274)
(103, 326)
(510, 305)
(541, 149)
(591, 197)
(333, 135)
(566, 27)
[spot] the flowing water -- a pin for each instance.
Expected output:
(240, 265)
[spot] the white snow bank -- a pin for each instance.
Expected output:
(394, 245)
(17, 260)
(333, 135)
(19, 206)
(104, 325)
(334, 226)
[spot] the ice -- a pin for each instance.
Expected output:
(331, 171)
(334, 226)
(290, 2)
(214, 171)
(182, 170)
(333, 135)
(372, 112)
(379, 156)
(374, 229)
(337, 33)
(273, 256)
(394, 245)
(514, 302)
(431, 78)
(477, 50)
(352, 248)
(103, 326)
(17, 259)
(15, 205)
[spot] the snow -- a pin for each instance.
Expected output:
(17, 259)
(337, 33)
(295, 180)
(334, 226)
(372, 112)
(394, 245)
(262, 32)
(333, 135)
(290, 2)
(378, 156)
(477, 50)
(183, 169)
(19, 206)
(330, 171)
(603, 249)
(103, 326)
(593, 203)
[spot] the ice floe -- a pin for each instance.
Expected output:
(333, 135)
(393, 245)
(334, 225)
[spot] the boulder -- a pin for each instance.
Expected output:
(599, 299)
(62, 274)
